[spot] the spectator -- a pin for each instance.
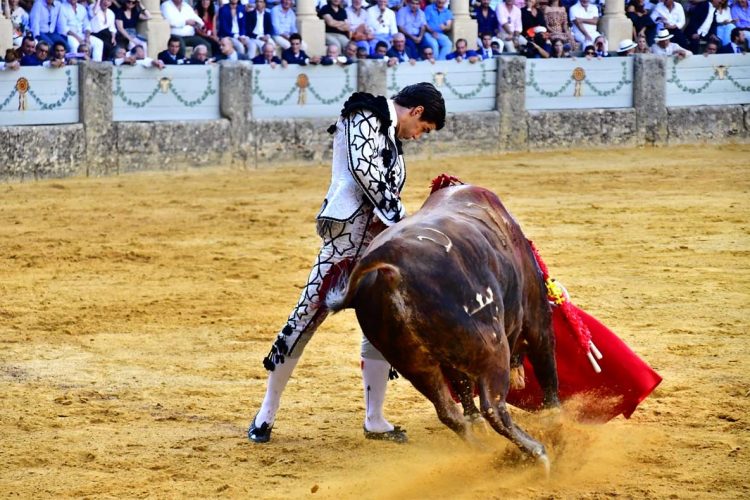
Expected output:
(601, 46)
(26, 48)
(360, 30)
(259, 28)
(207, 12)
(333, 56)
(539, 46)
(724, 22)
(228, 53)
(509, 17)
(121, 57)
(363, 52)
(428, 54)
(139, 53)
(284, 22)
(701, 25)
(741, 14)
(382, 21)
(663, 46)
(182, 21)
(350, 51)
(737, 44)
(199, 56)
(399, 51)
(641, 19)
(58, 56)
(486, 19)
(560, 49)
(102, 21)
(531, 17)
(712, 47)
(584, 18)
(231, 23)
(671, 15)
(172, 54)
(267, 56)
(556, 20)
(642, 46)
(337, 28)
(627, 48)
(439, 21)
(295, 54)
(19, 20)
(126, 23)
(11, 61)
(43, 19)
(82, 54)
(380, 50)
(41, 52)
(589, 52)
(74, 23)
(461, 53)
(412, 23)
(485, 48)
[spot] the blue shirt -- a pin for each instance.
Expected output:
(410, 22)
(435, 18)
(43, 18)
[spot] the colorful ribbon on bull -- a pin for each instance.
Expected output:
(558, 297)
(556, 293)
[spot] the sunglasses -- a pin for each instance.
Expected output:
(590, 52)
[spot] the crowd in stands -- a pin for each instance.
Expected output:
(54, 33)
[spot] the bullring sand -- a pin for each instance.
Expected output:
(135, 311)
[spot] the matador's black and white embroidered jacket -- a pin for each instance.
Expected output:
(368, 167)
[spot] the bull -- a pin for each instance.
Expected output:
(454, 294)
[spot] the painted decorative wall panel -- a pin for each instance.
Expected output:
(713, 80)
(301, 91)
(465, 86)
(579, 83)
(173, 93)
(39, 96)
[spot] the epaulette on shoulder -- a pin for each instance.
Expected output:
(363, 100)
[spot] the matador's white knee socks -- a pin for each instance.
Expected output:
(277, 380)
(375, 382)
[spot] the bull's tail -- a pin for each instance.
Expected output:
(341, 296)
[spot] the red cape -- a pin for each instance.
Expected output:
(625, 379)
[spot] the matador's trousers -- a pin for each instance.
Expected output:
(343, 244)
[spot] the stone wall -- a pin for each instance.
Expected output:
(100, 146)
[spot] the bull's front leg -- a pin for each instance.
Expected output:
(463, 387)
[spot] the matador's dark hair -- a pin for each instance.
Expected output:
(426, 95)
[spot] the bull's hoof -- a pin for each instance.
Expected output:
(397, 435)
(543, 460)
(260, 434)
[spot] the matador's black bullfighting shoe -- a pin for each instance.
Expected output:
(260, 434)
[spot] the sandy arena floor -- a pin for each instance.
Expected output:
(135, 311)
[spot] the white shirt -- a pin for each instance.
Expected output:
(259, 31)
(386, 25)
(76, 20)
(102, 20)
(577, 11)
(354, 19)
(671, 50)
(675, 16)
(703, 30)
(177, 18)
